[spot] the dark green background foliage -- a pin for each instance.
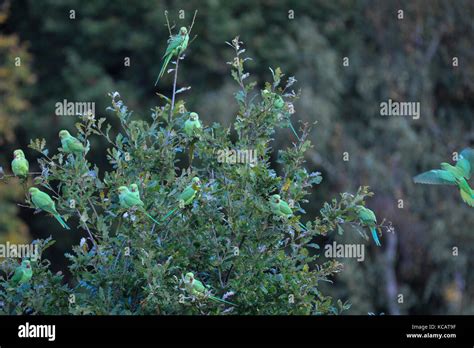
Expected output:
(406, 60)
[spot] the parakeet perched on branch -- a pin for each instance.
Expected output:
(177, 44)
(278, 103)
(20, 165)
(197, 289)
(134, 190)
(191, 128)
(280, 208)
(129, 200)
(367, 218)
(192, 124)
(70, 144)
(23, 273)
(187, 196)
(453, 175)
(43, 201)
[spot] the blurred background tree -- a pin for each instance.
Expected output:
(15, 74)
(79, 51)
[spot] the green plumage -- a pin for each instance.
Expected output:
(23, 273)
(177, 44)
(43, 201)
(20, 165)
(367, 218)
(453, 175)
(192, 125)
(70, 144)
(197, 289)
(281, 208)
(187, 196)
(134, 190)
(130, 200)
(189, 193)
(278, 103)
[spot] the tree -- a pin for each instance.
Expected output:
(229, 236)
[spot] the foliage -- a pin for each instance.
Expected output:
(228, 237)
(409, 59)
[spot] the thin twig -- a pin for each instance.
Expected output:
(93, 208)
(192, 23)
(232, 266)
(87, 228)
(168, 23)
(13, 175)
(174, 86)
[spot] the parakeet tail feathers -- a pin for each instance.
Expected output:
(293, 129)
(61, 221)
(167, 215)
(151, 217)
(222, 301)
(468, 199)
(375, 236)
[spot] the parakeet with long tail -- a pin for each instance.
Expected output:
(129, 200)
(23, 273)
(278, 103)
(367, 218)
(20, 165)
(43, 201)
(70, 144)
(177, 44)
(198, 289)
(453, 175)
(281, 208)
(187, 196)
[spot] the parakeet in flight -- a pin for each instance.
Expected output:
(453, 175)
(70, 144)
(23, 273)
(367, 218)
(278, 103)
(197, 289)
(187, 196)
(43, 201)
(129, 200)
(280, 208)
(192, 124)
(20, 165)
(177, 44)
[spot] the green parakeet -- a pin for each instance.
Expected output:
(280, 208)
(191, 128)
(278, 103)
(367, 218)
(192, 124)
(20, 165)
(197, 289)
(134, 190)
(130, 200)
(187, 196)
(23, 273)
(70, 144)
(453, 175)
(177, 44)
(43, 201)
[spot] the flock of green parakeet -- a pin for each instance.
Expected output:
(129, 197)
